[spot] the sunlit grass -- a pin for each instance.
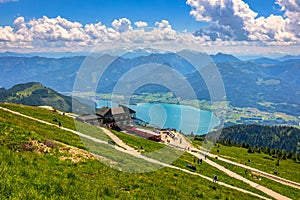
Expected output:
(264, 162)
(28, 175)
(273, 185)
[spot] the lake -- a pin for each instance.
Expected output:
(185, 118)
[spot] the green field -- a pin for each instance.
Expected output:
(182, 160)
(41, 113)
(66, 121)
(28, 172)
(275, 186)
(264, 162)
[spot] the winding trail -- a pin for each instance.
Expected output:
(239, 177)
(131, 151)
(119, 142)
(262, 173)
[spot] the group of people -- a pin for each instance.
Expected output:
(215, 177)
(199, 161)
(58, 122)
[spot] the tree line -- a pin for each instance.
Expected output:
(278, 141)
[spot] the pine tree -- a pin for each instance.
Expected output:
(250, 150)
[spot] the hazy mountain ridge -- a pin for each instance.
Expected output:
(246, 82)
(247, 85)
(221, 57)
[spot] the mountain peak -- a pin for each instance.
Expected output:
(35, 94)
(221, 57)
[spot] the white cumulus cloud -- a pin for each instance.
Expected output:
(234, 20)
(141, 24)
(163, 24)
(122, 25)
(60, 34)
(292, 12)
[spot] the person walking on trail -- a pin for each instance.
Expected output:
(215, 179)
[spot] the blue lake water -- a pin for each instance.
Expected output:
(184, 118)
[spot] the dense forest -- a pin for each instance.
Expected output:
(266, 138)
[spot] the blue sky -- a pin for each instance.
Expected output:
(91, 11)
(231, 23)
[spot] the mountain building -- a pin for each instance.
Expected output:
(110, 117)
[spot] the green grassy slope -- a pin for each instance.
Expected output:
(48, 116)
(35, 94)
(286, 169)
(146, 146)
(275, 186)
(27, 172)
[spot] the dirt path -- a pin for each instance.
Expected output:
(264, 174)
(118, 141)
(239, 177)
(178, 141)
(133, 153)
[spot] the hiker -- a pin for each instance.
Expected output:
(215, 179)
(59, 123)
(201, 161)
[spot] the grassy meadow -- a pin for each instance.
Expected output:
(288, 168)
(39, 161)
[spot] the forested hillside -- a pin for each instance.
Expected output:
(35, 94)
(273, 137)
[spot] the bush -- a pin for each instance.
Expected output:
(49, 143)
(250, 150)
(26, 147)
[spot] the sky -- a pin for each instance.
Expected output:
(240, 27)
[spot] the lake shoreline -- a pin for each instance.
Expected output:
(186, 119)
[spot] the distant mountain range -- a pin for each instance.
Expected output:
(289, 57)
(267, 84)
(264, 60)
(43, 54)
(140, 52)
